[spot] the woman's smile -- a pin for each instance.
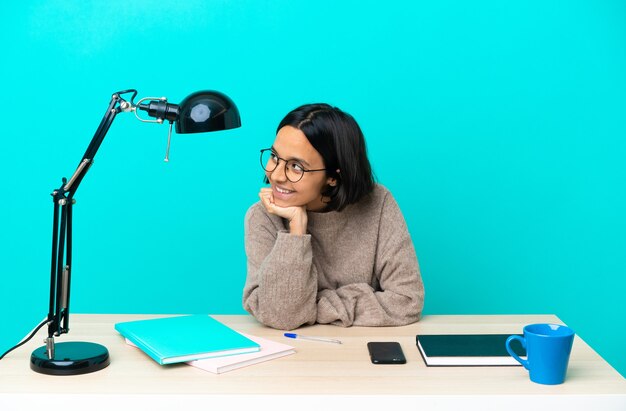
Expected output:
(282, 193)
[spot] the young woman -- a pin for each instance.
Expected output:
(325, 244)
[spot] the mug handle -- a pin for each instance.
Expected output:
(512, 353)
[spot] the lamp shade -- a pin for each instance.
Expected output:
(205, 111)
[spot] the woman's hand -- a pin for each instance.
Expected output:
(295, 215)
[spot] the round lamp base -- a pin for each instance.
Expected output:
(70, 358)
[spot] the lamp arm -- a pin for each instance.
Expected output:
(116, 105)
(61, 259)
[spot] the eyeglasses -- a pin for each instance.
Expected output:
(294, 171)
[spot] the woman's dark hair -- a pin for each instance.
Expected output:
(339, 139)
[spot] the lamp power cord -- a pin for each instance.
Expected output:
(32, 334)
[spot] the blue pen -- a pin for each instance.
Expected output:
(306, 337)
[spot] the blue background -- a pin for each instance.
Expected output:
(500, 127)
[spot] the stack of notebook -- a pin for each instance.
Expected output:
(200, 341)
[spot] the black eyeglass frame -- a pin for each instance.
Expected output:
(286, 164)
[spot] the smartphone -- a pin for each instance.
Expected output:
(386, 353)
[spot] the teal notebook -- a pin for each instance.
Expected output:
(185, 338)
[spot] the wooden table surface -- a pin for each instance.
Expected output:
(318, 370)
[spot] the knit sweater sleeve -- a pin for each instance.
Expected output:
(281, 285)
(398, 299)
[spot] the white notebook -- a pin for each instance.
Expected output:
(269, 350)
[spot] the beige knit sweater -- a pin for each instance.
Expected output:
(354, 267)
